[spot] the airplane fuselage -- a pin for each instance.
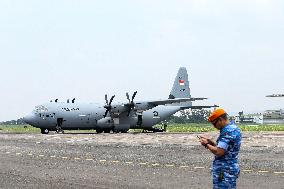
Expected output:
(73, 116)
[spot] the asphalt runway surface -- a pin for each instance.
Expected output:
(144, 160)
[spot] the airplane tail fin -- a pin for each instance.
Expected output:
(180, 87)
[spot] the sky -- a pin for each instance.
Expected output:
(233, 51)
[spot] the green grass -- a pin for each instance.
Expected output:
(171, 128)
(262, 128)
(190, 128)
(19, 129)
(208, 127)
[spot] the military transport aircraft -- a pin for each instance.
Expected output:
(275, 95)
(115, 117)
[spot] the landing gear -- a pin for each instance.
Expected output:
(44, 131)
(120, 131)
(103, 130)
(58, 125)
(107, 130)
(99, 131)
(156, 130)
(59, 130)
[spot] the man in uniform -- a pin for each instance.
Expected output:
(225, 167)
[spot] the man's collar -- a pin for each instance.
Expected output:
(230, 123)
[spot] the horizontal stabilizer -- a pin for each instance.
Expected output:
(198, 107)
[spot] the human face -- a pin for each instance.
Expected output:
(219, 123)
(215, 122)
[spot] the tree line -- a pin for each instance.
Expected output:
(190, 116)
(14, 122)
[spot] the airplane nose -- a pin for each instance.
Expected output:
(29, 119)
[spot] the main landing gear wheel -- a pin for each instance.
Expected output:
(59, 131)
(99, 131)
(120, 131)
(107, 130)
(44, 131)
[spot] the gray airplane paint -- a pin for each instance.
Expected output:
(120, 117)
(181, 85)
(181, 88)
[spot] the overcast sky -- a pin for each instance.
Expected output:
(233, 51)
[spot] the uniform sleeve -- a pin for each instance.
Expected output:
(225, 140)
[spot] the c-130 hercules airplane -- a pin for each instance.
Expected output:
(119, 117)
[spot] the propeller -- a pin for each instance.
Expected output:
(131, 103)
(108, 104)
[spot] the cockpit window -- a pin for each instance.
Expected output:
(41, 108)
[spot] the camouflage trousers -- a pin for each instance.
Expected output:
(225, 177)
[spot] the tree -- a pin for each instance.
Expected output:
(191, 116)
(13, 122)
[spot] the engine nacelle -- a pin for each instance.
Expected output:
(105, 123)
(121, 128)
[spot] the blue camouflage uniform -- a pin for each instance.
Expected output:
(225, 169)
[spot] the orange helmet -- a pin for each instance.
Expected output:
(215, 114)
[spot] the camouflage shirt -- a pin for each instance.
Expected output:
(230, 141)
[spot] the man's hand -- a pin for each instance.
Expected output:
(208, 143)
(204, 141)
(211, 142)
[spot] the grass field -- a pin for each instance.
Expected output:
(208, 127)
(171, 128)
(19, 128)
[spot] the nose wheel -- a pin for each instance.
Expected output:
(44, 131)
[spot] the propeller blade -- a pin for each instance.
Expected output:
(106, 113)
(111, 99)
(127, 96)
(131, 105)
(133, 96)
(106, 99)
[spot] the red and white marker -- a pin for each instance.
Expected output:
(181, 82)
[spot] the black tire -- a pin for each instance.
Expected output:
(115, 131)
(99, 131)
(44, 131)
(107, 130)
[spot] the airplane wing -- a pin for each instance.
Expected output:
(143, 106)
(171, 101)
(198, 107)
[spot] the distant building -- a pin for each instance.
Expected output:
(249, 118)
(273, 117)
(268, 117)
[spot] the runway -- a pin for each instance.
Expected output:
(144, 160)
